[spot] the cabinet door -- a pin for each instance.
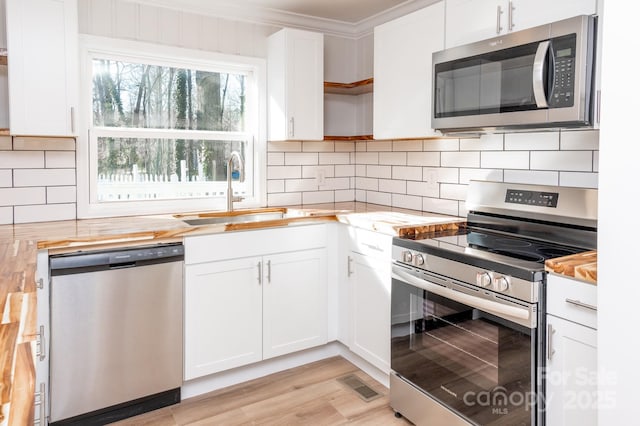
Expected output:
(571, 385)
(223, 313)
(472, 20)
(42, 47)
(531, 13)
(295, 62)
(295, 302)
(370, 309)
(402, 73)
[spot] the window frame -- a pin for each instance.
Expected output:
(154, 54)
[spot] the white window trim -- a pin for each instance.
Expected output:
(166, 56)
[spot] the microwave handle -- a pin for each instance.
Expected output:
(538, 75)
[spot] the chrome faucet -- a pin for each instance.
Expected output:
(230, 169)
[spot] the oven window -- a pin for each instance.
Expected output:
(473, 362)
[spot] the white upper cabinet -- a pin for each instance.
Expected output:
(468, 21)
(402, 73)
(43, 66)
(295, 84)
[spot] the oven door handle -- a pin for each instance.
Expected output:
(489, 306)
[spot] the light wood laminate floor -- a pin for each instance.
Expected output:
(306, 395)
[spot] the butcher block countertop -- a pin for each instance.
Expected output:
(582, 266)
(19, 245)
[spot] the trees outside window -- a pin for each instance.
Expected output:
(160, 130)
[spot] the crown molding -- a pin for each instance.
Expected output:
(257, 15)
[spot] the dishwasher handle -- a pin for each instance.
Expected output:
(101, 260)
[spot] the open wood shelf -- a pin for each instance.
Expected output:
(355, 88)
(349, 138)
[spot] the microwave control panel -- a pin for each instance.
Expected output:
(564, 71)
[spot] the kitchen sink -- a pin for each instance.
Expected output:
(238, 218)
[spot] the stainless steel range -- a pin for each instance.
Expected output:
(467, 315)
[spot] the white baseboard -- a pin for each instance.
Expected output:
(224, 379)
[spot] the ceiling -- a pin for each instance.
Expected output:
(349, 18)
(351, 11)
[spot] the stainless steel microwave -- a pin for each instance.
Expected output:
(535, 78)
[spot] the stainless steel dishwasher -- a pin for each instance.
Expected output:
(116, 333)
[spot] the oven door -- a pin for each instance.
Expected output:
(461, 351)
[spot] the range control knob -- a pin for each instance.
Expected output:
(418, 260)
(483, 279)
(407, 256)
(501, 283)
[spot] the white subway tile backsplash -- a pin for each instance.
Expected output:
(275, 186)
(460, 159)
(406, 201)
(367, 184)
(44, 213)
(318, 197)
(394, 186)
(361, 146)
(6, 178)
(443, 174)
(441, 145)
(345, 195)
(284, 199)
(6, 215)
(284, 146)
(345, 146)
(333, 184)
(284, 172)
(378, 146)
(580, 140)
(313, 171)
(579, 179)
(442, 206)
(21, 143)
(453, 191)
(275, 158)
(467, 175)
(491, 142)
(535, 177)
(366, 158)
(335, 158)
(408, 145)
(504, 160)
(61, 194)
(393, 158)
(383, 172)
(532, 141)
(422, 189)
(596, 161)
(574, 161)
(300, 159)
(345, 170)
(429, 159)
(361, 170)
(22, 196)
(406, 173)
(382, 198)
(44, 177)
(6, 145)
(318, 146)
(21, 159)
(59, 159)
(299, 185)
(361, 195)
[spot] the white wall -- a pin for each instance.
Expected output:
(618, 235)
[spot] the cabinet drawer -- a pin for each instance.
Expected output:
(233, 245)
(572, 300)
(370, 243)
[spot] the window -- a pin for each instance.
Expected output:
(161, 126)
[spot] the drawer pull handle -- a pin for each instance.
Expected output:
(550, 350)
(372, 247)
(581, 304)
(349, 261)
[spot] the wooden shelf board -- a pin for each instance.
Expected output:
(3, 60)
(355, 88)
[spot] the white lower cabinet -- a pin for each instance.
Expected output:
(241, 310)
(369, 281)
(571, 371)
